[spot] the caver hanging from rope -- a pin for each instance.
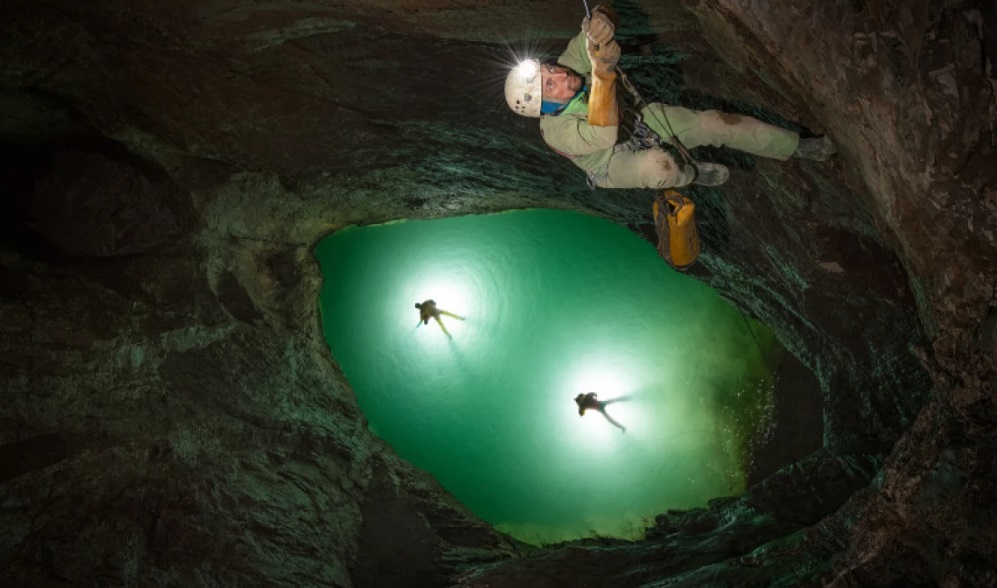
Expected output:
(580, 119)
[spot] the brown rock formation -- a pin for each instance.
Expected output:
(171, 414)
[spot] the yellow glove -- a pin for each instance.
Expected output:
(603, 110)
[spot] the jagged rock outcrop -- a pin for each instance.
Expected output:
(171, 414)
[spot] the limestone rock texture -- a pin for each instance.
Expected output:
(170, 414)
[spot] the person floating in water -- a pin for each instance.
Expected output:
(428, 310)
(589, 400)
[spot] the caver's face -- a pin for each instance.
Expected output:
(559, 83)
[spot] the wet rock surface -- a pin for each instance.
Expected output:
(171, 414)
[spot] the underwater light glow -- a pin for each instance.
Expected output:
(557, 304)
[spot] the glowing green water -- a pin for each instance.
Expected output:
(557, 303)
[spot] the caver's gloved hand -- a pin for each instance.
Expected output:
(604, 53)
(604, 58)
(603, 111)
(601, 27)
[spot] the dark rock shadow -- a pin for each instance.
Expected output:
(797, 423)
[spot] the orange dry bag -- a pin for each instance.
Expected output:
(675, 224)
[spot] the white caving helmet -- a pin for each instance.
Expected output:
(523, 89)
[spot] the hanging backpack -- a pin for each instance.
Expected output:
(675, 225)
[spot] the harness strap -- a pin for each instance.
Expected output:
(644, 137)
(673, 145)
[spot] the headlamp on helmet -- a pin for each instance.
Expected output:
(523, 88)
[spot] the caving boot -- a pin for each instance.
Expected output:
(711, 174)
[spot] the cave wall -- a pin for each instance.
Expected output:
(172, 415)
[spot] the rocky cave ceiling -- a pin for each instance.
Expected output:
(172, 416)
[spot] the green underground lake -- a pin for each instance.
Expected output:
(557, 304)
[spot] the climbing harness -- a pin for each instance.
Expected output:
(641, 135)
(640, 105)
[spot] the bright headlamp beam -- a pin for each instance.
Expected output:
(527, 69)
